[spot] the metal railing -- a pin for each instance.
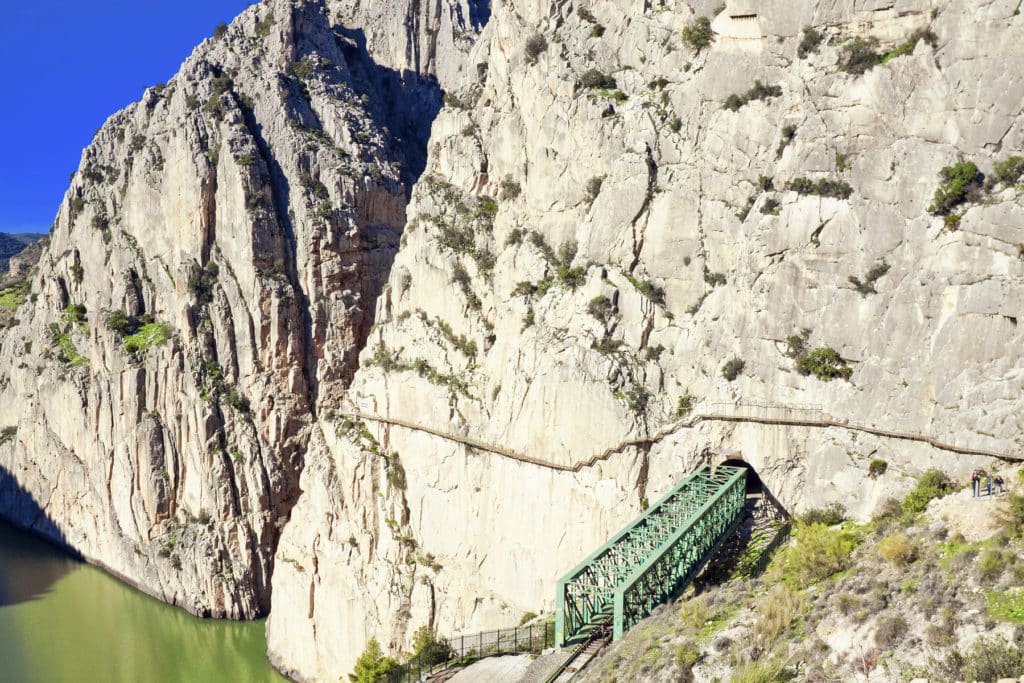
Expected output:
(466, 649)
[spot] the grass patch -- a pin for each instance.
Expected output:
(816, 553)
(1006, 605)
(14, 295)
(65, 347)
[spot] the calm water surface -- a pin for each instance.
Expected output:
(62, 620)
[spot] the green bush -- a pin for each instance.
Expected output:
(732, 368)
(263, 27)
(932, 484)
(961, 182)
(75, 314)
(428, 649)
(373, 667)
(597, 79)
(698, 34)
(877, 468)
(14, 295)
(535, 45)
(825, 363)
(809, 42)
(202, 281)
(122, 323)
(1008, 171)
(859, 55)
(839, 189)
(830, 515)
(601, 308)
(594, 187)
(817, 552)
(685, 405)
(759, 91)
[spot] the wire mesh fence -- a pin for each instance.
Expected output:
(465, 649)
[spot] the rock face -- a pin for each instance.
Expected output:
(222, 372)
(583, 255)
(208, 283)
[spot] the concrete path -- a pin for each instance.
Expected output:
(508, 669)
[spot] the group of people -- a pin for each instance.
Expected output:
(977, 476)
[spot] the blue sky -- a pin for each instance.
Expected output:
(67, 65)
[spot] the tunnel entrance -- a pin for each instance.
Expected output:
(754, 483)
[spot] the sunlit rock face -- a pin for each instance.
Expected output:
(578, 259)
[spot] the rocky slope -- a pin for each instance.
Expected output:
(207, 285)
(582, 255)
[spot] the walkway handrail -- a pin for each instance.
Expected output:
(690, 422)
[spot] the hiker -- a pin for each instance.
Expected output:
(998, 481)
(975, 483)
(988, 484)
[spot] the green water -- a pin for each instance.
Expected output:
(62, 620)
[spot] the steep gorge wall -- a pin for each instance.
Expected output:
(492, 325)
(248, 211)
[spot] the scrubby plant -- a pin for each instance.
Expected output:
(201, 282)
(961, 183)
(596, 31)
(817, 552)
(685, 405)
(796, 344)
(877, 467)
(698, 34)
(898, 549)
(859, 55)
(786, 136)
(601, 307)
(907, 46)
(7, 434)
(830, 515)
(992, 562)
(867, 285)
(75, 314)
(509, 189)
(428, 648)
(147, 337)
(732, 368)
(535, 45)
(890, 630)
(776, 612)
(839, 189)
(825, 363)
(263, 27)
(594, 187)
(1013, 516)
(762, 671)
(1007, 172)
(759, 91)
(932, 484)
(597, 79)
(810, 41)
(988, 660)
(220, 31)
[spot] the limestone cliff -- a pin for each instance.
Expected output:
(209, 280)
(614, 229)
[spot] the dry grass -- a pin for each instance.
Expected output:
(898, 549)
(778, 609)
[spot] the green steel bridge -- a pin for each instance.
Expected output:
(651, 559)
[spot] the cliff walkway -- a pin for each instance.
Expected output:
(749, 413)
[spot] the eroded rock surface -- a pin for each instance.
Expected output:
(581, 255)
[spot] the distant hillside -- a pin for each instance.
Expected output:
(12, 244)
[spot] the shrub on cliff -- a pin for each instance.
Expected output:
(809, 43)
(595, 78)
(732, 368)
(698, 34)
(535, 45)
(859, 55)
(961, 182)
(825, 363)
(817, 552)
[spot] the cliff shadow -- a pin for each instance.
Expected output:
(403, 101)
(34, 553)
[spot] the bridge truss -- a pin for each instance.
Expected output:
(653, 557)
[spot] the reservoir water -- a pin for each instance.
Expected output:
(64, 621)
